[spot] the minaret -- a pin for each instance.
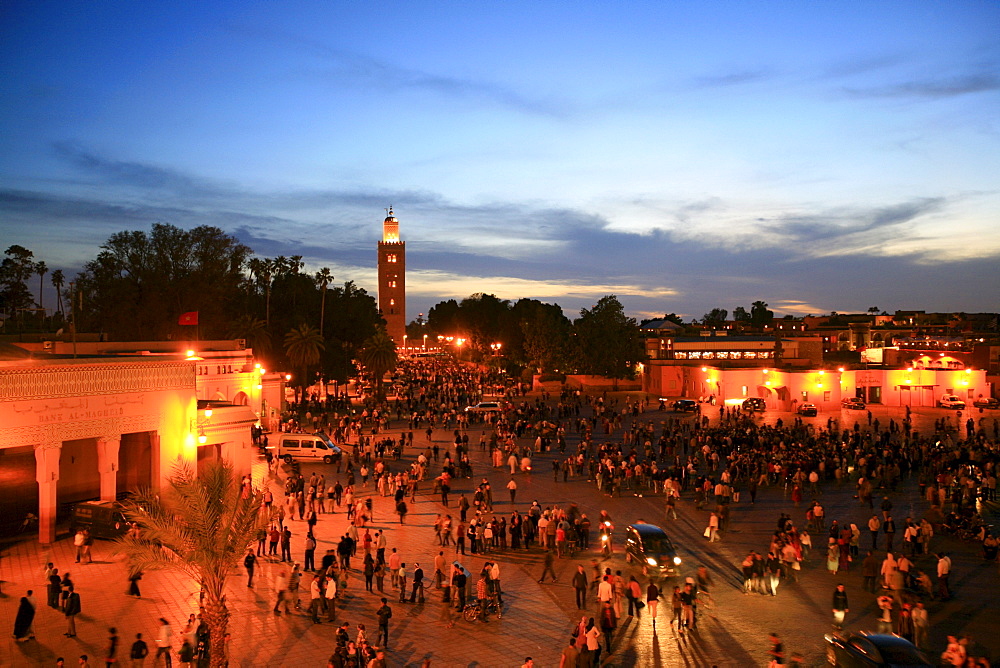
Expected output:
(392, 279)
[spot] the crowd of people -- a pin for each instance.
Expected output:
(621, 446)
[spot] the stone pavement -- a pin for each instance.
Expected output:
(537, 618)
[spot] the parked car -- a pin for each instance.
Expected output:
(685, 405)
(951, 401)
(104, 519)
(986, 402)
(754, 404)
(807, 409)
(853, 404)
(303, 447)
(484, 407)
(649, 546)
(872, 650)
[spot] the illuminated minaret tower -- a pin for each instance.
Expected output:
(392, 279)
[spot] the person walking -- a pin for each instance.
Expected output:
(652, 600)
(111, 653)
(921, 624)
(943, 572)
(712, 532)
(138, 652)
(133, 584)
(384, 614)
(549, 560)
(250, 563)
(71, 610)
(25, 618)
(633, 592)
(840, 607)
(609, 622)
(580, 584)
(164, 643)
(512, 489)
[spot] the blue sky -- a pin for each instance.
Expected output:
(682, 155)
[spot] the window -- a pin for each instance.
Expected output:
(680, 356)
(392, 302)
(291, 444)
(736, 356)
(750, 355)
(708, 356)
(744, 390)
(392, 284)
(826, 395)
(695, 356)
(391, 257)
(722, 355)
(805, 396)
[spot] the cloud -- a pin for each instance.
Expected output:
(137, 174)
(967, 84)
(346, 66)
(729, 79)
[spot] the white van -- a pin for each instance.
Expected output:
(303, 447)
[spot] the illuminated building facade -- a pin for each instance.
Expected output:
(117, 416)
(392, 279)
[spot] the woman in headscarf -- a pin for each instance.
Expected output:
(25, 618)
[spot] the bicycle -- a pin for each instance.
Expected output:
(472, 612)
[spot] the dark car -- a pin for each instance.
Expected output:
(104, 519)
(853, 404)
(986, 402)
(649, 546)
(685, 405)
(754, 404)
(808, 409)
(872, 650)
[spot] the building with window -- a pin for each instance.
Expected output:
(112, 417)
(392, 280)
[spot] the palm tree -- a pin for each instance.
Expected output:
(303, 344)
(41, 269)
(57, 282)
(378, 356)
(200, 526)
(324, 277)
(254, 330)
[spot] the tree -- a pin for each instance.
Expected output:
(141, 282)
(15, 270)
(548, 336)
(674, 318)
(58, 280)
(740, 314)
(873, 310)
(378, 357)
(715, 318)
(303, 346)
(200, 527)
(41, 269)
(324, 278)
(608, 341)
(254, 331)
(760, 316)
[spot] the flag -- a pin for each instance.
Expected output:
(189, 318)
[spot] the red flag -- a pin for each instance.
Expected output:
(189, 318)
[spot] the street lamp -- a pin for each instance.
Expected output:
(425, 343)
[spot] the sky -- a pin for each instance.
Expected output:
(680, 155)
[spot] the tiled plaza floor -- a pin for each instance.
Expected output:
(537, 618)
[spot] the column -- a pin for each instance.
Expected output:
(107, 465)
(156, 465)
(47, 476)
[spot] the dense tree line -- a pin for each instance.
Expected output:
(536, 336)
(141, 283)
